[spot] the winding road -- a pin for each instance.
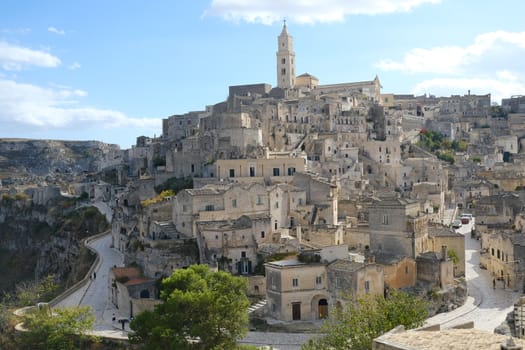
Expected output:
(486, 307)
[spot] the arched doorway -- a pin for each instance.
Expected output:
(322, 309)
(144, 294)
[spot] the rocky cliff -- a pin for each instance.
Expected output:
(22, 157)
(36, 240)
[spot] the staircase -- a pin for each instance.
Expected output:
(257, 306)
(168, 228)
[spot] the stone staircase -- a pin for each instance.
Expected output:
(257, 306)
(168, 228)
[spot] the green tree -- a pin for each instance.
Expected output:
(30, 292)
(357, 323)
(64, 329)
(201, 309)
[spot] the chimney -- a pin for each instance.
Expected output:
(444, 255)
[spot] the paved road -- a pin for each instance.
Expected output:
(486, 307)
(96, 292)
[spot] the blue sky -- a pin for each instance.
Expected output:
(111, 70)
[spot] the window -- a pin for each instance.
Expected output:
(283, 71)
(262, 234)
(252, 171)
(367, 287)
(406, 270)
(291, 171)
(184, 208)
(385, 219)
(275, 171)
(492, 251)
(210, 207)
(232, 172)
(259, 199)
(192, 168)
(283, 60)
(243, 254)
(276, 205)
(295, 282)
(338, 283)
(300, 201)
(319, 280)
(234, 203)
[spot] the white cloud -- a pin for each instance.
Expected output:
(492, 63)
(74, 66)
(506, 46)
(503, 86)
(305, 11)
(14, 57)
(30, 107)
(56, 31)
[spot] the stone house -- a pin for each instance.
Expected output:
(322, 194)
(463, 337)
(398, 271)
(503, 255)
(435, 268)
(296, 291)
(278, 169)
(352, 279)
(508, 143)
(440, 236)
(499, 209)
(469, 191)
(398, 226)
(305, 287)
(131, 292)
(415, 170)
(232, 245)
(217, 202)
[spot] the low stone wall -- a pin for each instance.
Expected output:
(86, 279)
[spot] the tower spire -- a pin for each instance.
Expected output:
(285, 60)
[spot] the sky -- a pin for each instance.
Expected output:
(112, 70)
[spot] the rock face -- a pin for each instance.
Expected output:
(37, 240)
(49, 157)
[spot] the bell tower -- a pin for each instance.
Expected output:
(285, 60)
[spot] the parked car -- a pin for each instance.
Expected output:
(456, 224)
(465, 218)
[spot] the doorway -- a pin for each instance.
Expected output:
(323, 309)
(296, 311)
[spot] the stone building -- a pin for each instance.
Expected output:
(440, 236)
(463, 337)
(285, 60)
(398, 226)
(131, 292)
(399, 271)
(232, 245)
(276, 169)
(303, 289)
(503, 255)
(435, 268)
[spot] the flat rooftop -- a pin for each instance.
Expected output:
(450, 339)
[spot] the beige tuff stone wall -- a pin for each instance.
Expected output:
(258, 167)
(401, 274)
(455, 243)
